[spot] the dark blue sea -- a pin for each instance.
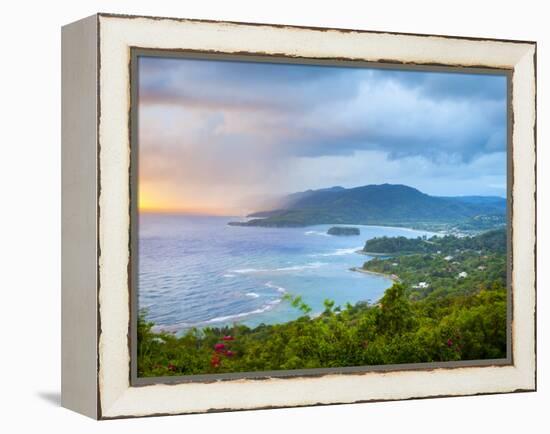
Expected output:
(197, 271)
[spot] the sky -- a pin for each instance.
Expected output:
(229, 138)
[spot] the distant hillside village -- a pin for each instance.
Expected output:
(440, 264)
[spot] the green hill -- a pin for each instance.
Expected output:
(384, 204)
(494, 240)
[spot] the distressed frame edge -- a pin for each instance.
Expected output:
(79, 142)
(531, 45)
(305, 27)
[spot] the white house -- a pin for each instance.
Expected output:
(462, 275)
(448, 258)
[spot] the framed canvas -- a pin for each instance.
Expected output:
(262, 216)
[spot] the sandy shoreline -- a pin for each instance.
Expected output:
(362, 252)
(393, 277)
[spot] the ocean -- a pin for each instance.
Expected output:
(197, 271)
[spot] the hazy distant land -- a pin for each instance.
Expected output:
(385, 205)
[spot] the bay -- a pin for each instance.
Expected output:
(198, 271)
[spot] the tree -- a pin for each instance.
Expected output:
(395, 315)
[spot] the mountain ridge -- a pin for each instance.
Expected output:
(386, 204)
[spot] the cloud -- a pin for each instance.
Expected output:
(326, 110)
(245, 86)
(403, 121)
(483, 175)
(456, 85)
(258, 127)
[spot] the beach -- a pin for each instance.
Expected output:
(392, 277)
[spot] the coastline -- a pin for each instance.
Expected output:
(269, 311)
(392, 277)
(375, 254)
(245, 222)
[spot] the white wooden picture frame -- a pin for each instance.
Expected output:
(96, 182)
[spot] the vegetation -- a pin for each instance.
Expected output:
(343, 231)
(449, 271)
(492, 241)
(389, 205)
(459, 313)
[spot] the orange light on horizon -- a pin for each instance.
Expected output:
(150, 203)
(187, 210)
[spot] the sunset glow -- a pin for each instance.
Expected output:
(152, 202)
(230, 138)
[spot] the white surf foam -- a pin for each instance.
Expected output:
(323, 234)
(311, 265)
(308, 266)
(219, 319)
(248, 270)
(262, 309)
(338, 252)
(278, 288)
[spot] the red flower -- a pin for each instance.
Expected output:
(449, 342)
(229, 353)
(219, 347)
(228, 338)
(171, 367)
(215, 361)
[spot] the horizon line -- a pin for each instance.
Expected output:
(179, 211)
(224, 213)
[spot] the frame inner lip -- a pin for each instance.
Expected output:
(136, 52)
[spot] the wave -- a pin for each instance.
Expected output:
(228, 275)
(323, 234)
(248, 270)
(308, 266)
(311, 265)
(269, 305)
(219, 319)
(173, 328)
(278, 288)
(338, 252)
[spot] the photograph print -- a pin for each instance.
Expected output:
(305, 216)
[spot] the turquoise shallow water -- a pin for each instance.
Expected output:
(197, 271)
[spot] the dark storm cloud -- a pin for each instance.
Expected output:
(257, 127)
(243, 85)
(404, 113)
(444, 85)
